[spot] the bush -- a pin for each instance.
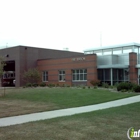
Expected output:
(43, 84)
(57, 85)
(51, 85)
(95, 82)
(68, 85)
(95, 87)
(28, 85)
(125, 85)
(116, 84)
(123, 90)
(78, 86)
(111, 86)
(34, 84)
(136, 88)
(84, 87)
(65, 85)
(105, 85)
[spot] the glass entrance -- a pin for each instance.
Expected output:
(113, 76)
(139, 76)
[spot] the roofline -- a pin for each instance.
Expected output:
(39, 48)
(113, 46)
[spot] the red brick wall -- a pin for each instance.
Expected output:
(54, 65)
(133, 71)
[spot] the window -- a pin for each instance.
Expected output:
(107, 74)
(44, 76)
(101, 74)
(107, 52)
(61, 75)
(79, 75)
(117, 51)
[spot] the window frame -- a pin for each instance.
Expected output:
(61, 73)
(79, 75)
(44, 76)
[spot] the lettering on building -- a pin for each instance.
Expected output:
(79, 59)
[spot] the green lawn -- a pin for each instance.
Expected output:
(65, 97)
(31, 100)
(108, 124)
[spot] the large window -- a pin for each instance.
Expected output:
(61, 75)
(118, 75)
(101, 74)
(104, 75)
(45, 76)
(79, 75)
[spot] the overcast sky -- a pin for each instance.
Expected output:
(73, 24)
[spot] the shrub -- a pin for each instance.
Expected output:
(42, 84)
(57, 85)
(105, 85)
(95, 82)
(95, 87)
(28, 85)
(78, 86)
(51, 85)
(64, 85)
(84, 87)
(123, 90)
(116, 84)
(67, 85)
(136, 88)
(34, 84)
(111, 86)
(125, 85)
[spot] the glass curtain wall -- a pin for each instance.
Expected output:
(118, 75)
(104, 75)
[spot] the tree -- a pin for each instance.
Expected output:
(31, 76)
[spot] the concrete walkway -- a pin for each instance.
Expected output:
(65, 112)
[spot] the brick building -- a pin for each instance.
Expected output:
(20, 58)
(70, 70)
(111, 64)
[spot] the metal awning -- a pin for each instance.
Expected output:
(112, 66)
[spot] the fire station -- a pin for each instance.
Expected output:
(110, 64)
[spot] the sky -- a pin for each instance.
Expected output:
(73, 24)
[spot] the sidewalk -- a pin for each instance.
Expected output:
(65, 112)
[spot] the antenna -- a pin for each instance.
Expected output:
(6, 45)
(66, 49)
(100, 39)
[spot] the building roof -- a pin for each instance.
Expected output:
(37, 48)
(113, 46)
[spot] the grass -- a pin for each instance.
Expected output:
(108, 124)
(29, 100)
